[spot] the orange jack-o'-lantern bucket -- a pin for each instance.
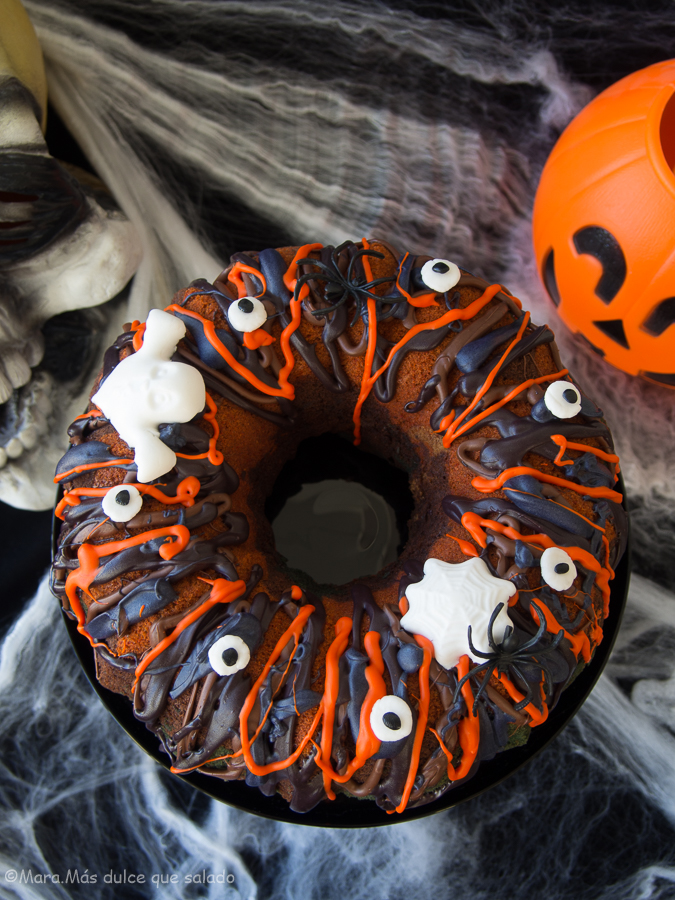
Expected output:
(604, 224)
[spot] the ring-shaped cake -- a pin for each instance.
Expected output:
(396, 686)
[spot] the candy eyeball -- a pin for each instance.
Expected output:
(247, 314)
(562, 399)
(440, 275)
(390, 718)
(557, 569)
(122, 502)
(229, 654)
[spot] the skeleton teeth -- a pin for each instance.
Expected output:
(34, 350)
(28, 436)
(43, 403)
(14, 448)
(5, 389)
(16, 368)
(38, 420)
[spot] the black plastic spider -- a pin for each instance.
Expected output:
(507, 656)
(341, 287)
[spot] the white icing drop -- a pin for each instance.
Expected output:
(559, 581)
(247, 321)
(451, 597)
(115, 507)
(229, 642)
(390, 703)
(558, 404)
(148, 389)
(440, 281)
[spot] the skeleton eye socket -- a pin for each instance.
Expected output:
(122, 502)
(562, 399)
(229, 654)
(440, 275)
(557, 569)
(247, 314)
(390, 718)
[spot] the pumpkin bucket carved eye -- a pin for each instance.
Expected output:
(122, 503)
(247, 314)
(391, 718)
(440, 275)
(602, 244)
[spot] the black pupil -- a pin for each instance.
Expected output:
(561, 568)
(230, 656)
(392, 721)
(441, 268)
(122, 497)
(570, 396)
(245, 305)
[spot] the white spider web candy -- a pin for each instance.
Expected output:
(451, 597)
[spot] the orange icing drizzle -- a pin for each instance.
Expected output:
(474, 524)
(186, 491)
(451, 316)
(235, 277)
(85, 467)
(563, 443)
(488, 485)
(580, 642)
(445, 423)
(215, 457)
(451, 433)
(284, 390)
(257, 338)
(366, 743)
(466, 548)
(222, 591)
(343, 627)
(423, 299)
(536, 716)
(88, 415)
(139, 330)
(293, 631)
(468, 729)
(422, 716)
(88, 556)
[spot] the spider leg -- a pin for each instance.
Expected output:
(529, 697)
(470, 674)
(495, 612)
(473, 649)
(486, 679)
(540, 631)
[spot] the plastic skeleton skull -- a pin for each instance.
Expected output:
(63, 248)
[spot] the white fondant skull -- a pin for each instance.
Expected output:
(147, 389)
(65, 247)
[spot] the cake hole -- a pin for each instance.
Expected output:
(337, 512)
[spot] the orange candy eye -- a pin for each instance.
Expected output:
(601, 224)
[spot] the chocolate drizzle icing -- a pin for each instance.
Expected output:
(514, 513)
